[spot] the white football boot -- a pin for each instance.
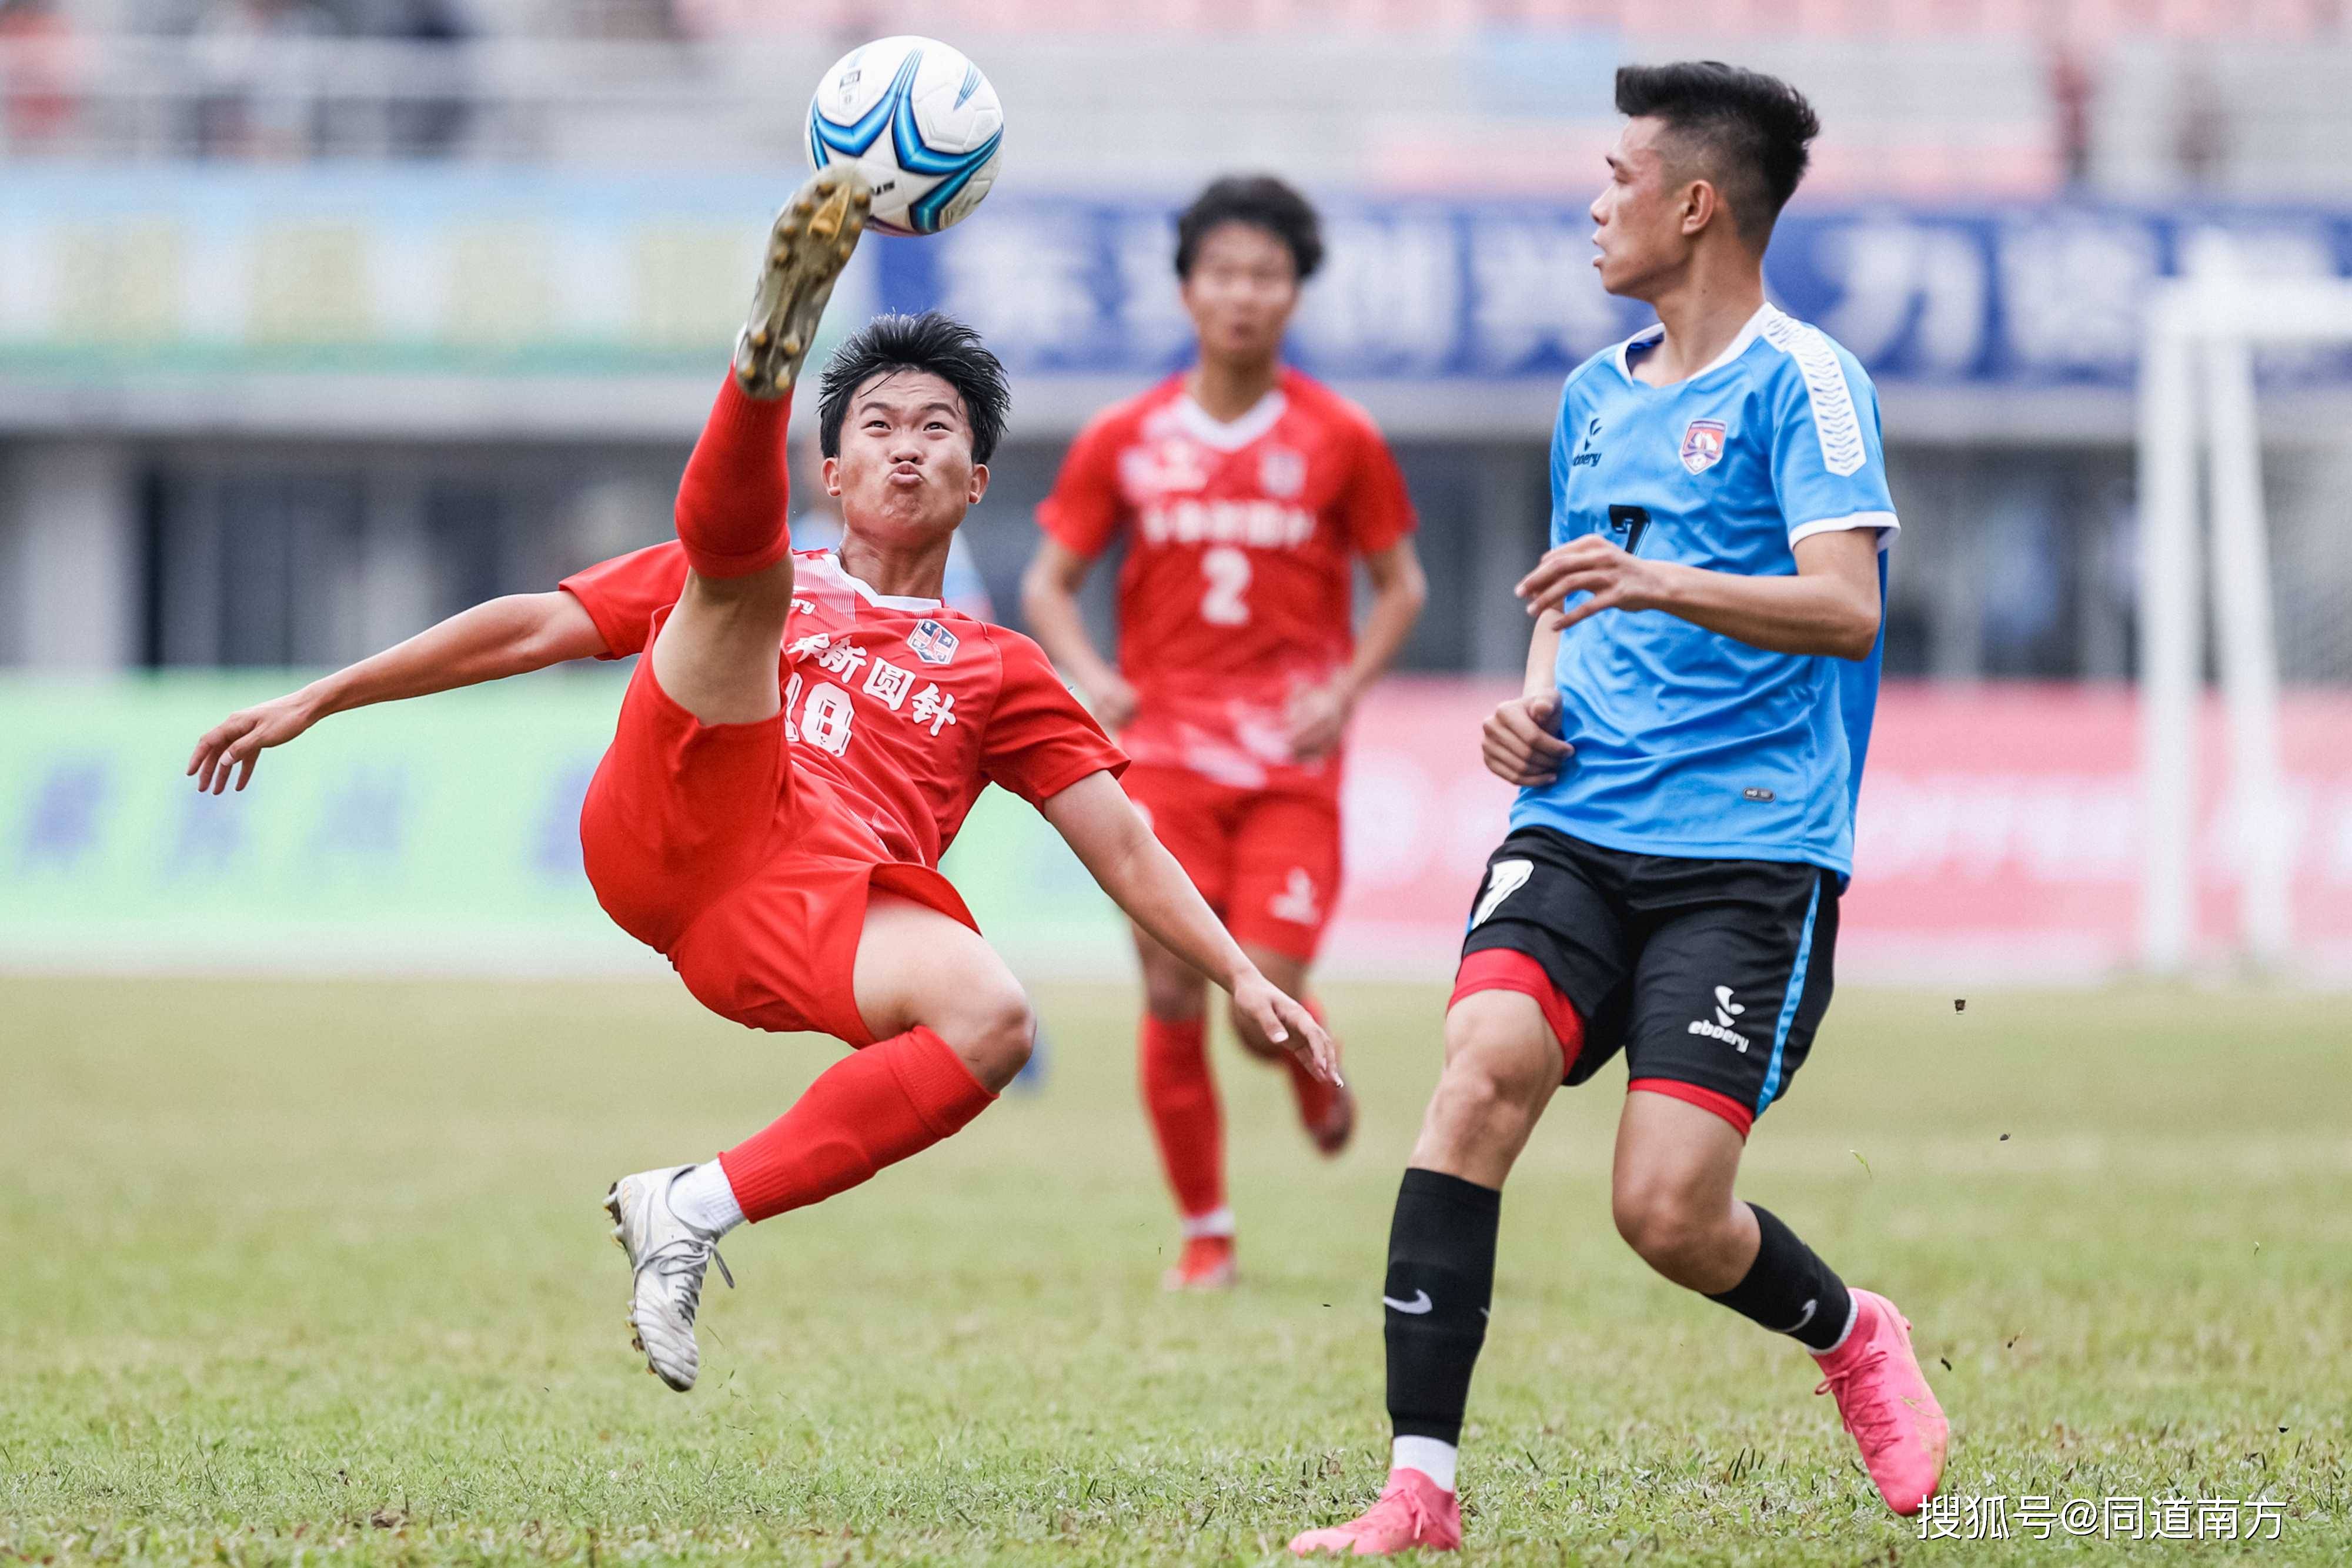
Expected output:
(810, 243)
(668, 1258)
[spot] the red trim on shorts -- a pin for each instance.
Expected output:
(1508, 969)
(1740, 1116)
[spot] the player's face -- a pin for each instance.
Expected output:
(1641, 234)
(905, 472)
(1240, 292)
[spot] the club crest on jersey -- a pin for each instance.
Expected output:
(1703, 444)
(1282, 472)
(932, 643)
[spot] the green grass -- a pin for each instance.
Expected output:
(317, 1271)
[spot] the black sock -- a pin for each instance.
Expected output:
(1788, 1289)
(1441, 1280)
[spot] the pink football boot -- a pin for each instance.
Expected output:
(1886, 1404)
(1205, 1264)
(1413, 1512)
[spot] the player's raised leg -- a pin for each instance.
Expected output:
(952, 1027)
(716, 655)
(1671, 1193)
(1502, 1064)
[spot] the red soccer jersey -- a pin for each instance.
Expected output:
(904, 708)
(1238, 585)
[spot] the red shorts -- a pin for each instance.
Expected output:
(1267, 861)
(703, 843)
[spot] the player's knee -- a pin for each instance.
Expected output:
(1487, 1083)
(993, 1029)
(1675, 1231)
(1174, 998)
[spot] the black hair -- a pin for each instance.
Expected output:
(1749, 130)
(1262, 202)
(940, 344)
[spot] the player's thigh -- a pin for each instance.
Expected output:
(918, 965)
(1285, 858)
(1550, 922)
(1732, 981)
(717, 654)
(678, 811)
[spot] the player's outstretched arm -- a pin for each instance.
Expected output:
(509, 636)
(1143, 879)
(1049, 597)
(1830, 607)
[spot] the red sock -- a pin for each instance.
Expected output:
(1315, 1097)
(1181, 1099)
(871, 1109)
(734, 505)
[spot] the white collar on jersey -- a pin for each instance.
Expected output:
(1657, 329)
(1230, 436)
(866, 589)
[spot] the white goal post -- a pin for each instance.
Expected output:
(2196, 398)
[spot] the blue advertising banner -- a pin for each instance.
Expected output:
(2047, 294)
(341, 269)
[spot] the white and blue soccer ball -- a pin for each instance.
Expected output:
(922, 122)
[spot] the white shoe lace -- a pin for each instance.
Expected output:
(684, 1260)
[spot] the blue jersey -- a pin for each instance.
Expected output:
(1687, 742)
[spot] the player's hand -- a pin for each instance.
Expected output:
(1280, 1024)
(1589, 564)
(1319, 719)
(1113, 702)
(234, 744)
(1521, 742)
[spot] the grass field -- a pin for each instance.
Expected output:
(316, 1273)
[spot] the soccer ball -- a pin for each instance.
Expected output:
(922, 122)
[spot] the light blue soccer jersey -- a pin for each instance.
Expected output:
(1690, 743)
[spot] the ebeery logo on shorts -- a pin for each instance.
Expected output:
(1190, 522)
(1719, 1026)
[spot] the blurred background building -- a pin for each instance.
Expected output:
(322, 318)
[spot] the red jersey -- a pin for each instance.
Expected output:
(1238, 588)
(902, 709)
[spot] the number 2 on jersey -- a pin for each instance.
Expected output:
(1629, 524)
(1228, 572)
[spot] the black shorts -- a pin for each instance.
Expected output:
(1710, 974)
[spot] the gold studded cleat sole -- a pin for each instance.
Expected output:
(813, 239)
